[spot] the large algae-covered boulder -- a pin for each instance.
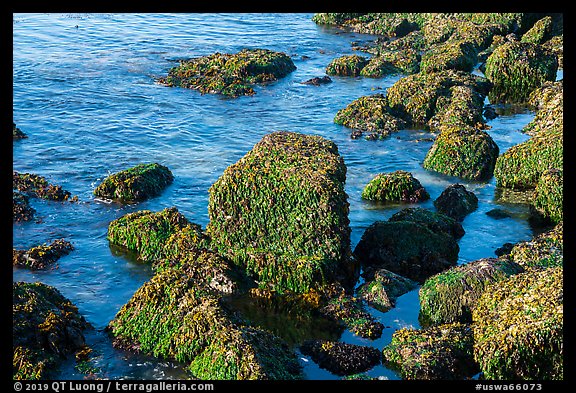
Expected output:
(522, 165)
(518, 327)
(466, 152)
(173, 316)
(443, 352)
(230, 74)
(407, 248)
(146, 232)
(450, 296)
(456, 55)
(281, 212)
(516, 69)
(419, 97)
(397, 186)
(347, 65)
(135, 184)
(370, 114)
(46, 327)
(548, 101)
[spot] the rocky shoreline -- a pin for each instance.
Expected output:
(279, 228)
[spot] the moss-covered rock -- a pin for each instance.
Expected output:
(407, 248)
(443, 352)
(341, 358)
(518, 327)
(541, 252)
(462, 107)
(40, 257)
(450, 296)
(393, 24)
(455, 55)
(146, 232)
(539, 32)
(231, 75)
(466, 152)
(456, 202)
(370, 114)
(350, 65)
(38, 187)
(555, 45)
(281, 213)
(548, 205)
(434, 220)
(418, 98)
(46, 327)
(21, 209)
(548, 101)
(381, 288)
(522, 165)
(516, 69)
(397, 186)
(172, 316)
(138, 183)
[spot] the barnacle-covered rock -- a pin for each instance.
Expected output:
(541, 252)
(172, 316)
(518, 327)
(450, 296)
(443, 352)
(548, 205)
(522, 165)
(466, 152)
(281, 213)
(21, 209)
(407, 248)
(42, 256)
(347, 65)
(38, 187)
(516, 69)
(456, 202)
(370, 114)
(46, 326)
(434, 220)
(230, 74)
(381, 288)
(341, 358)
(397, 186)
(135, 184)
(146, 232)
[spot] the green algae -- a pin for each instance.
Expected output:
(518, 327)
(231, 75)
(350, 65)
(542, 251)
(138, 183)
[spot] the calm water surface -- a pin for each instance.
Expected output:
(85, 94)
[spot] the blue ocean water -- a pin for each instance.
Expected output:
(84, 92)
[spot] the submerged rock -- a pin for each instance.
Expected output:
(135, 184)
(17, 132)
(407, 248)
(443, 352)
(21, 209)
(40, 257)
(398, 186)
(456, 202)
(519, 327)
(281, 213)
(317, 81)
(230, 74)
(341, 358)
(46, 327)
(450, 296)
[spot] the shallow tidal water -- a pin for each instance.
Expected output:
(84, 92)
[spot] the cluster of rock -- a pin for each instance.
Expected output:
(279, 226)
